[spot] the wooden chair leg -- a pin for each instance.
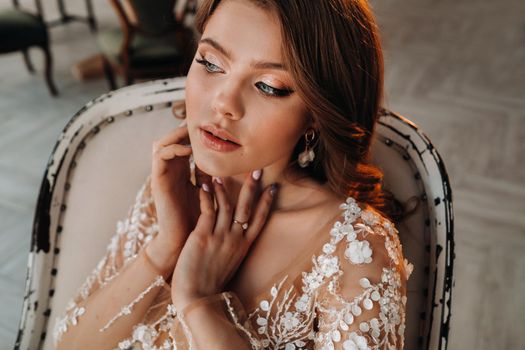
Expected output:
(27, 61)
(48, 71)
(108, 71)
(62, 11)
(91, 16)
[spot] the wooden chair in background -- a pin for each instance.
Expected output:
(150, 43)
(21, 30)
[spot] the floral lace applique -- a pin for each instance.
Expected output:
(286, 320)
(374, 333)
(281, 326)
(144, 336)
(339, 314)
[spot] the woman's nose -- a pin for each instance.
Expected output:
(228, 102)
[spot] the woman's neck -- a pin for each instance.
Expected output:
(295, 191)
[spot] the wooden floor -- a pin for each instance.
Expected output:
(455, 68)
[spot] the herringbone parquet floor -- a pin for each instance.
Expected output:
(455, 68)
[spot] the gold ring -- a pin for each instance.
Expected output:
(244, 225)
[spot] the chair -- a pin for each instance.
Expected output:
(65, 17)
(21, 30)
(150, 42)
(106, 148)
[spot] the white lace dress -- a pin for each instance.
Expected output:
(350, 295)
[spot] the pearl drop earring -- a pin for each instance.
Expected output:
(308, 155)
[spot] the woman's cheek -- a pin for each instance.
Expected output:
(277, 140)
(196, 98)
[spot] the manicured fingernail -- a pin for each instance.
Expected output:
(273, 188)
(182, 123)
(205, 187)
(187, 145)
(217, 179)
(256, 174)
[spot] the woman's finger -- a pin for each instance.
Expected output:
(174, 150)
(224, 214)
(206, 220)
(201, 177)
(176, 136)
(246, 196)
(165, 154)
(260, 214)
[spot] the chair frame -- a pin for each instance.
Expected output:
(126, 70)
(140, 99)
(397, 131)
(66, 17)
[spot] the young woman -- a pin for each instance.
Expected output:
(285, 238)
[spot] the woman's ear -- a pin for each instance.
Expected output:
(312, 123)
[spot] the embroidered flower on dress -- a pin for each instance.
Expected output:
(337, 232)
(329, 248)
(329, 264)
(355, 342)
(171, 310)
(125, 344)
(370, 218)
(144, 334)
(302, 304)
(359, 252)
(290, 320)
(312, 280)
(351, 209)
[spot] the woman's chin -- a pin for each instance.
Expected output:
(215, 167)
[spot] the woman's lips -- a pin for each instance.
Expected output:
(216, 143)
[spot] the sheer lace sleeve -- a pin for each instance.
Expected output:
(229, 319)
(362, 304)
(132, 233)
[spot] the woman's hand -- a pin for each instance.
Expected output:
(176, 198)
(217, 246)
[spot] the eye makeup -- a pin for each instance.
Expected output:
(207, 65)
(265, 89)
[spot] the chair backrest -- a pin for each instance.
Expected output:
(413, 167)
(151, 17)
(106, 149)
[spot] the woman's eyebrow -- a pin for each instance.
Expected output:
(217, 46)
(254, 64)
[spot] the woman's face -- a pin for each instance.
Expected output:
(230, 88)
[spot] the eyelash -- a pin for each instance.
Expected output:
(275, 93)
(206, 64)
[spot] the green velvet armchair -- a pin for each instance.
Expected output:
(21, 30)
(150, 43)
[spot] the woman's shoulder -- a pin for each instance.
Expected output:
(361, 235)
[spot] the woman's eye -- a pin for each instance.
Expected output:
(271, 91)
(210, 67)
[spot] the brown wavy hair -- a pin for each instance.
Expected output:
(332, 50)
